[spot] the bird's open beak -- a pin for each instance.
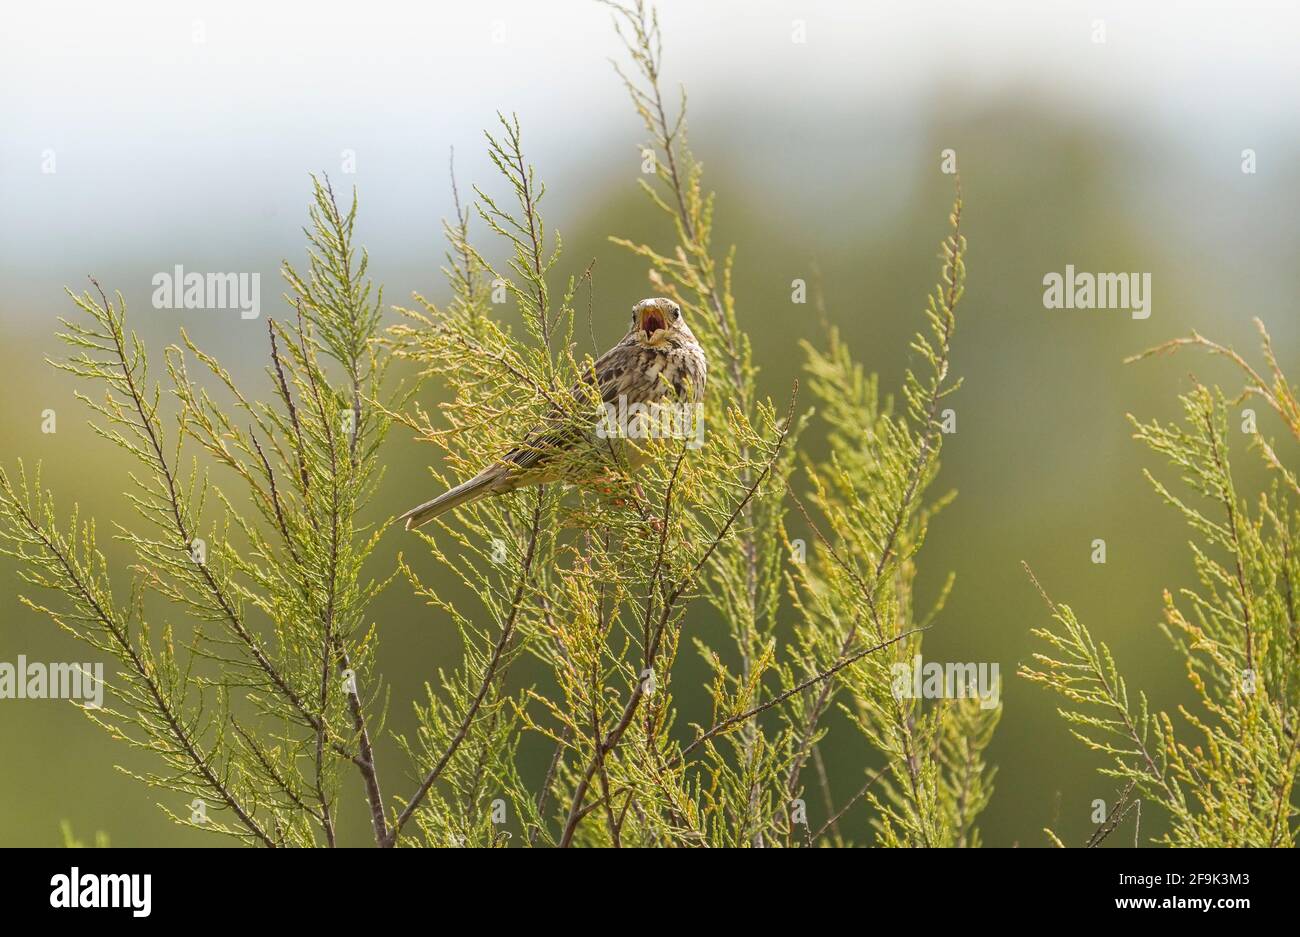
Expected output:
(652, 320)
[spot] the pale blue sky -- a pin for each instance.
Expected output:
(170, 149)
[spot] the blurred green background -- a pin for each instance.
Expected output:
(1115, 156)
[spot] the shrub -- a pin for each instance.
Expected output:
(258, 713)
(1237, 634)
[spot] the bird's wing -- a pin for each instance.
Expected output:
(688, 379)
(611, 373)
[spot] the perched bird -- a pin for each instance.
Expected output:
(658, 361)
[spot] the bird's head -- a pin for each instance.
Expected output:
(654, 321)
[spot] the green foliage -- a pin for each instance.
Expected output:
(1233, 785)
(572, 603)
(870, 519)
(70, 841)
(604, 601)
(252, 711)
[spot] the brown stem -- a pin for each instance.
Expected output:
(507, 629)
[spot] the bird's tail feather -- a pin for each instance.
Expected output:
(464, 493)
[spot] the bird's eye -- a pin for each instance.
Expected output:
(677, 312)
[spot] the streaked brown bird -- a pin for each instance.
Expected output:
(658, 361)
